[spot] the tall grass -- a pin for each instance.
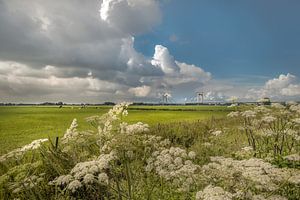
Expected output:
(219, 158)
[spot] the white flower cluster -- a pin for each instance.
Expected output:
(249, 114)
(277, 106)
(296, 121)
(295, 108)
(106, 121)
(155, 143)
(213, 193)
(71, 132)
(263, 175)
(261, 109)
(232, 105)
(234, 114)
(217, 193)
(245, 152)
(85, 173)
(268, 119)
(27, 183)
(20, 151)
(138, 127)
(292, 157)
(174, 165)
(216, 132)
(118, 109)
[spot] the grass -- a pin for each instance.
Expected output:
(20, 125)
(141, 161)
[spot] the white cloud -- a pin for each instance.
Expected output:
(131, 16)
(164, 60)
(284, 87)
(67, 50)
(142, 91)
(291, 90)
(281, 82)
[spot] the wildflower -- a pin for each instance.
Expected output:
(233, 114)
(125, 113)
(292, 157)
(71, 132)
(261, 109)
(88, 178)
(213, 193)
(192, 155)
(296, 121)
(232, 105)
(63, 180)
(173, 165)
(134, 128)
(74, 185)
(178, 161)
(277, 105)
(20, 151)
(216, 133)
(249, 114)
(103, 178)
(295, 108)
(295, 179)
(248, 148)
(268, 119)
(207, 144)
(262, 174)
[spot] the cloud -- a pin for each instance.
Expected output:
(142, 91)
(74, 51)
(285, 87)
(291, 90)
(67, 50)
(281, 82)
(131, 16)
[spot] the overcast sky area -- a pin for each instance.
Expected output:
(136, 50)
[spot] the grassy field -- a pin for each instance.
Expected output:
(21, 125)
(191, 152)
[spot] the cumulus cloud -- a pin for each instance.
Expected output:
(281, 82)
(73, 51)
(85, 51)
(283, 87)
(131, 16)
(291, 90)
(141, 91)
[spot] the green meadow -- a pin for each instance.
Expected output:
(19, 125)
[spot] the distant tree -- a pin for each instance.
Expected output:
(109, 103)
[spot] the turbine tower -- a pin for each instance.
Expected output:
(165, 97)
(200, 97)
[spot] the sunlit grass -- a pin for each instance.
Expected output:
(21, 125)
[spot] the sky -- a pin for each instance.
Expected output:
(137, 50)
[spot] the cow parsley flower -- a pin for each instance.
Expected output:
(74, 185)
(277, 106)
(20, 151)
(233, 114)
(174, 165)
(88, 178)
(103, 178)
(213, 193)
(71, 132)
(216, 133)
(268, 119)
(292, 157)
(192, 155)
(249, 114)
(296, 121)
